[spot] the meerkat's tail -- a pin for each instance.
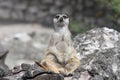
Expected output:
(41, 65)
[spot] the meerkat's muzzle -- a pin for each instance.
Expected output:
(61, 19)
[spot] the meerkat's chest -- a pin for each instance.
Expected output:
(62, 46)
(62, 43)
(61, 36)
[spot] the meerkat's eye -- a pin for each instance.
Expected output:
(65, 16)
(57, 16)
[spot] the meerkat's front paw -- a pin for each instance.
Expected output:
(65, 73)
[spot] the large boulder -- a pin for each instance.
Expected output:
(99, 53)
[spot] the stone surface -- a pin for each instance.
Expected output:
(30, 72)
(5, 13)
(98, 51)
(3, 66)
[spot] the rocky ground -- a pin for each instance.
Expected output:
(98, 50)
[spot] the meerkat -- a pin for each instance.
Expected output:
(61, 57)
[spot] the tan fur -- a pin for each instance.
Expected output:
(60, 56)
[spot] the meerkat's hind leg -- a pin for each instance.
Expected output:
(51, 64)
(72, 65)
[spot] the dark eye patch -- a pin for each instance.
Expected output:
(65, 16)
(57, 16)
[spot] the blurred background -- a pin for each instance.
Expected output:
(26, 25)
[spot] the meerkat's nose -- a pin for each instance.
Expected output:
(61, 19)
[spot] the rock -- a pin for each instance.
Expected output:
(4, 13)
(98, 51)
(84, 75)
(47, 1)
(3, 66)
(42, 14)
(33, 9)
(95, 40)
(24, 37)
(20, 6)
(2, 73)
(17, 15)
(6, 4)
(30, 17)
(59, 3)
(3, 52)
(54, 10)
(31, 72)
(43, 8)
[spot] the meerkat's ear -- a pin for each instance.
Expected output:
(67, 14)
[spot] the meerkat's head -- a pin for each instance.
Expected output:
(61, 20)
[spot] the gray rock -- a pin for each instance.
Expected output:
(98, 52)
(31, 72)
(47, 1)
(59, 3)
(30, 17)
(3, 66)
(54, 10)
(43, 8)
(6, 4)
(4, 13)
(20, 6)
(2, 73)
(41, 14)
(33, 9)
(17, 14)
(96, 40)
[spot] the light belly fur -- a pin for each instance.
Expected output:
(64, 50)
